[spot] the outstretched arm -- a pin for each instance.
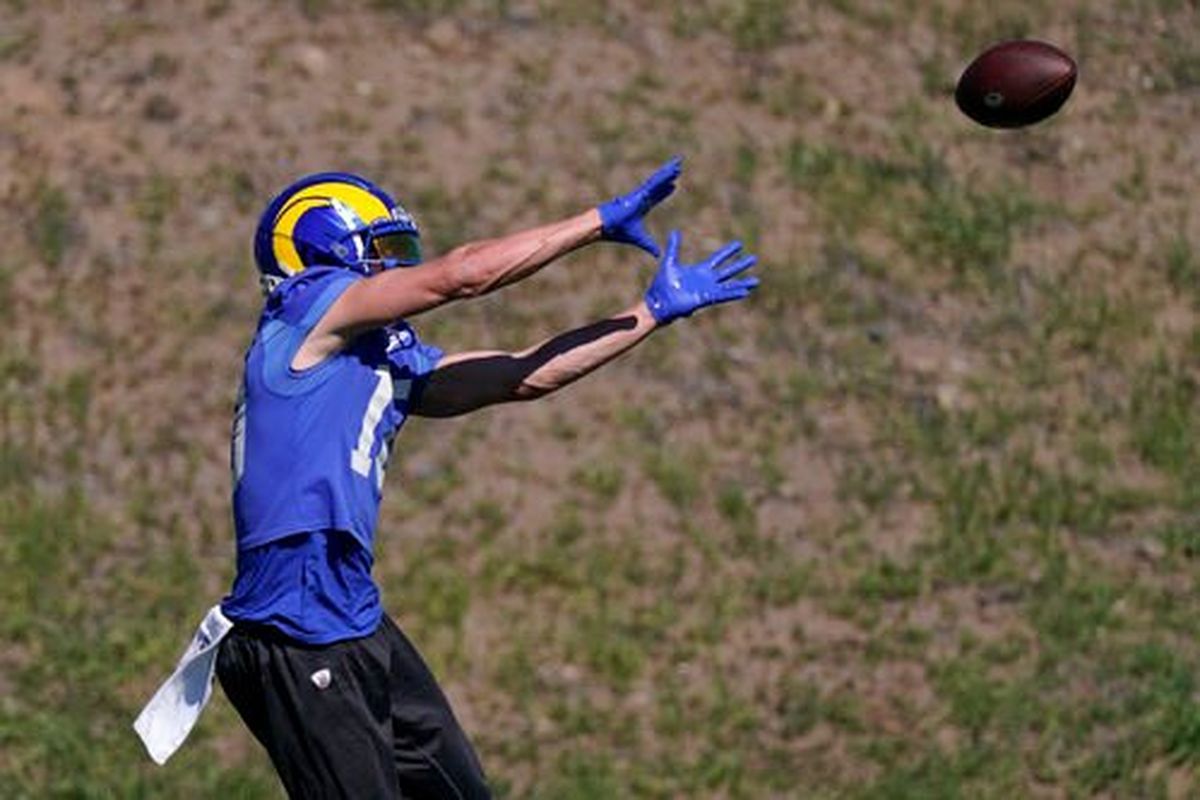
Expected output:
(467, 271)
(468, 381)
(481, 267)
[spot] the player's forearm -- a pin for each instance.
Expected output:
(481, 267)
(569, 356)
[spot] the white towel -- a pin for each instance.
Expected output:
(170, 715)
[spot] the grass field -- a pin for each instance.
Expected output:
(920, 520)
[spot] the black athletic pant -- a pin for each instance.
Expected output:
(359, 719)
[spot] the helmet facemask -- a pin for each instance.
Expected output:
(391, 245)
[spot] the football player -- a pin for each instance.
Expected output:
(325, 680)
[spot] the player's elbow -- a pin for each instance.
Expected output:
(467, 276)
(531, 389)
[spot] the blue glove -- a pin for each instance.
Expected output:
(679, 289)
(621, 217)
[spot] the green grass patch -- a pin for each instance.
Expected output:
(1165, 424)
(84, 617)
(936, 217)
(675, 476)
(53, 229)
(1182, 264)
(751, 25)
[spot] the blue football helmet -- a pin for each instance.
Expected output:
(333, 219)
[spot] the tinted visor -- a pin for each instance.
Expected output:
(402, 246)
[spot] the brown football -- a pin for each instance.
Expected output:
(1014, 84)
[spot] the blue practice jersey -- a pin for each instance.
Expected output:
(314, 587)
(310, 446)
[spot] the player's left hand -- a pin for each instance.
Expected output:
(622, 216)
(679, 289)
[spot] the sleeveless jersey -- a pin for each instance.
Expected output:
(310, 446)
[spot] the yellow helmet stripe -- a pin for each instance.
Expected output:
(281, 238)
(367, 206)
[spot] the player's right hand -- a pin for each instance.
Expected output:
(622, 216)
(679, 289)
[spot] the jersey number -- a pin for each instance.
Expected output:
(238, 456)
(360, 458)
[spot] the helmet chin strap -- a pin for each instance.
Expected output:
(267, 283)
(385, 263)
